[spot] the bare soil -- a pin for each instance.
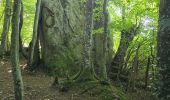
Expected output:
(37, 86)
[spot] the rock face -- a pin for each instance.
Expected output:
(60, 30)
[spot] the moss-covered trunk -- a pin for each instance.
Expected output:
(34, 46)
(118, 60)
(87, 73)
(18, 84)
(101, 39)
(6, 26)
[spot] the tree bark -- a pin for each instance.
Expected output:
(100, 39)
(6, 26)
(87, 70)
(134, 71)
(163, 49)
(147, 73)
(118, 60)
(127, 36)
(35, 41)
(21, 49)
(17, 77)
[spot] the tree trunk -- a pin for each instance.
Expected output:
(35, 43)
(134, 72)
(127, 36)
(100, 39)
(118, 60)
(21, 49)
(147, 73)
(87, 70)
(163, 53)
(18, 84)
(6, 27)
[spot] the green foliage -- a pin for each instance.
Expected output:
(2, 7)
(102, 92)
(136, 12)
(29, 12)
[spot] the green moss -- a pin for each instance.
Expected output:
(98, 90)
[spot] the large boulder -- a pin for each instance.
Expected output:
(61, 29)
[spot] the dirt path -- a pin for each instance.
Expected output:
(36, 86)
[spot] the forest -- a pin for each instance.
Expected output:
(84, 49)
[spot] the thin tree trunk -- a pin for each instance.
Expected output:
(21, 49)
(88, 34)
(87, 70)
(35, 32)
(147, 73)
(99, 61)
(17, 77)
(6, 27)
(2, 15)
(152, 62)
(105, 13)
(134, 71)
(100, 39)
(127, 58)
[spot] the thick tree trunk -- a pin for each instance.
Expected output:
(118, 60)
(18, 84)
(6, 26)
(163, 53)
(127, 36)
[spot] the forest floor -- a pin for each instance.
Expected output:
(37, 86)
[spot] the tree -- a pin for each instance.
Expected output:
(163, 49)
(18, 83)
(87, 73)
(100, 39)
(147, 73)
(21, 48)
(35, 41)
(106, 20)
(135, 69)
(127, 35)
(6, 26)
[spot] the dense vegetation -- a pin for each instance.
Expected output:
(103, 49)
